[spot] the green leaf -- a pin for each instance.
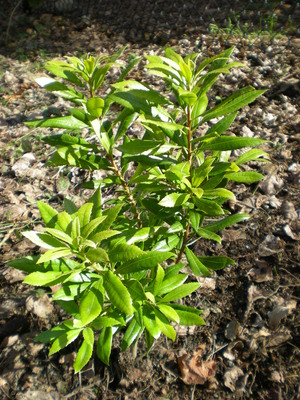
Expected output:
(96, 200)
(106, 234)
(51, 334)
(64, 221)
(48, 214)
(43, 239)
(97, 255)
(173, 269)
(84, 213)
(133, 332)
(64, 340)
(171, 283)
(138, 146)
(197, 267)
(208, 207)
(111, 215)
(230, 143)
(104, 345)
(233, 103)
(149, 321)
(222, 125)
(180, 292)
(69, 122)
(160, 273)
(95, 106)
(117, 292)
(188, 317)
(164, 326)
(188, 97)
(228, 221)
(174, 200)
(85, 351)
(60, 235)
(91, 304)
(135, 289)
(105, 322)
(218, 193)
(244, 177)
(216, 262)
(124, 252)
(252, 155)
(146, 261)
(90, 227)
(61, 140)
(49, 278)
(207, 234)
(169, 312)
(75, 229)
(54, 254)
(167, 244)
(69, 206)
(63, 70)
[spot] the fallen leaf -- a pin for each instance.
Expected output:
(271, 245)
(40, 306)
(278, 338)
(194, 370)
(281, 311)
(287, 230)
(271, 184)
(288, 210)
(232, 330)
(262, 273)
(231, 377)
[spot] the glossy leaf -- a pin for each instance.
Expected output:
(90, 305)
(146, 261)
(117, 292)
(69, 122)
(85, 351)
(174, 200)
(64, 340)
(49, 278)
(180, 292)
(104, 345)
(132, 333)
(54, 254)
(227, 221)
(230, 143)
(215, 262)
(48, 214)
(171, 283)
(197, 267)
(244, 177)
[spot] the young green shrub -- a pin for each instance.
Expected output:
(118, 265)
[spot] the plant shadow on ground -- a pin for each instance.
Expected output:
(252, 326)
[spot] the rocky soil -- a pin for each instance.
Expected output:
(252, 322)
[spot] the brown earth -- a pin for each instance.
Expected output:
(252, 323)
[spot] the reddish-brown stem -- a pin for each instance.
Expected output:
(189, 123)
(126, 189)
(184, 242)
(186, 233)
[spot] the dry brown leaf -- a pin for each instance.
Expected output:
(281, 311)
(271, 245)
(231, 377)
(194, 370)
(262, 273)
(232, 330)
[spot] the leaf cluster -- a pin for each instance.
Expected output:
(119, 266)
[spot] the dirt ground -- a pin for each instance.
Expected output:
(252, 321)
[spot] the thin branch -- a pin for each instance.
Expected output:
(126, 189)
